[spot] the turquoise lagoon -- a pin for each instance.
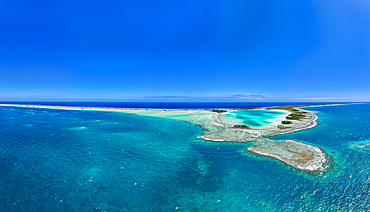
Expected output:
(252, 117)
(63, 160)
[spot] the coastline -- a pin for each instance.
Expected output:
(298, 160)
(312, 124)
(303, 157)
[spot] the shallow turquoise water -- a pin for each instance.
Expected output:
(254, 118)
(55, 160)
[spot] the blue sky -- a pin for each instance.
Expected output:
(185, 50)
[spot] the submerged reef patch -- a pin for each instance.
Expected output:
(362, 146)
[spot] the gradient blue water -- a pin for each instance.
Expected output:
(56, 160)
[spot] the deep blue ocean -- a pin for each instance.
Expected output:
(169, 105)
(64, 160)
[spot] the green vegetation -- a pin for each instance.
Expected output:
(218, 111)
(299, 112)
(287, 122)
(295, 116)
(242, 126)
(247, 108)
(282, 127)
(281, 108)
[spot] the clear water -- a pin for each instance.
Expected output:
(55, 160)
(254, 118)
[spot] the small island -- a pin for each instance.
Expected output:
(301, 156)
(242, 126)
